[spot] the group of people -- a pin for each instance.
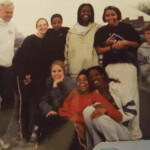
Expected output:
(60, 79)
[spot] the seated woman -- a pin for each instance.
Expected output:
(58, 86)
(120, 98)
(80, 98)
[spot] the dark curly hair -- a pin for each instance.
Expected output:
(85, 72)
(117, 11)
(102, 72)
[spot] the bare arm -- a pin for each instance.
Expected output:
(125, 44)
(102, 50)
(117, 46)
(51, 113)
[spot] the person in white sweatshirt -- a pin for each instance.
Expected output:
(79, 49)
(144, 54)
(9, 37)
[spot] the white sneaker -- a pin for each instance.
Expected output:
(3, 145)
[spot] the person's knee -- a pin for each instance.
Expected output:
(88, 111)
(102, 120)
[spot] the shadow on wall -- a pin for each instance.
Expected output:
(144, 93)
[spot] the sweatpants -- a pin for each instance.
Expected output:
(127, 75)
(103, 128)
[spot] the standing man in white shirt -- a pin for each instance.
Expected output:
(9, 37)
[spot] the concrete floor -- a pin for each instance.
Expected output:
(59, 141)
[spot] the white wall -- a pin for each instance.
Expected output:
(28, 11)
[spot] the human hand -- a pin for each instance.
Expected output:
(99, 105)
(51, 113)
(98, 112)
(57, 81)
(120, 45)
(27, 79)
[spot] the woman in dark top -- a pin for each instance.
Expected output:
(58, 87)
(29, 69)
(54, 41)
(118, 43)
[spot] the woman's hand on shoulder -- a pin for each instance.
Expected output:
(51, 113)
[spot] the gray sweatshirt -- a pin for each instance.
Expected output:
(54, 97)
(144, 59)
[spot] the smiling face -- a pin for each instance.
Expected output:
(111, 17)
(82, 84)
(57, 72)
(85, 15)
(56, 23)
(96, 78)
(6, 12)
(42, 26)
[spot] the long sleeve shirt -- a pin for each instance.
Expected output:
(54, 97)
(75, 103)
(9, 37)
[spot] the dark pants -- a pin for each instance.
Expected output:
(59, 133)
(30, 111)
(30, 117)
(7, 87)
(51, 125)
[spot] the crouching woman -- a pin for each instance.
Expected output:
(76, 105)
(102, 127)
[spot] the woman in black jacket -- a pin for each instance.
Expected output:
(54, 41)
(30, 72)
(58, 87)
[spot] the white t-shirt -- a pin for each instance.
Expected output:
(81, 29)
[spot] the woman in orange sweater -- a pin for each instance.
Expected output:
(80, 98)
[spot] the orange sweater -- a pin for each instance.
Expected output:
(75, 103)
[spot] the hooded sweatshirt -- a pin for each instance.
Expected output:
(9, 37)
(79, 49)
(144, 59)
